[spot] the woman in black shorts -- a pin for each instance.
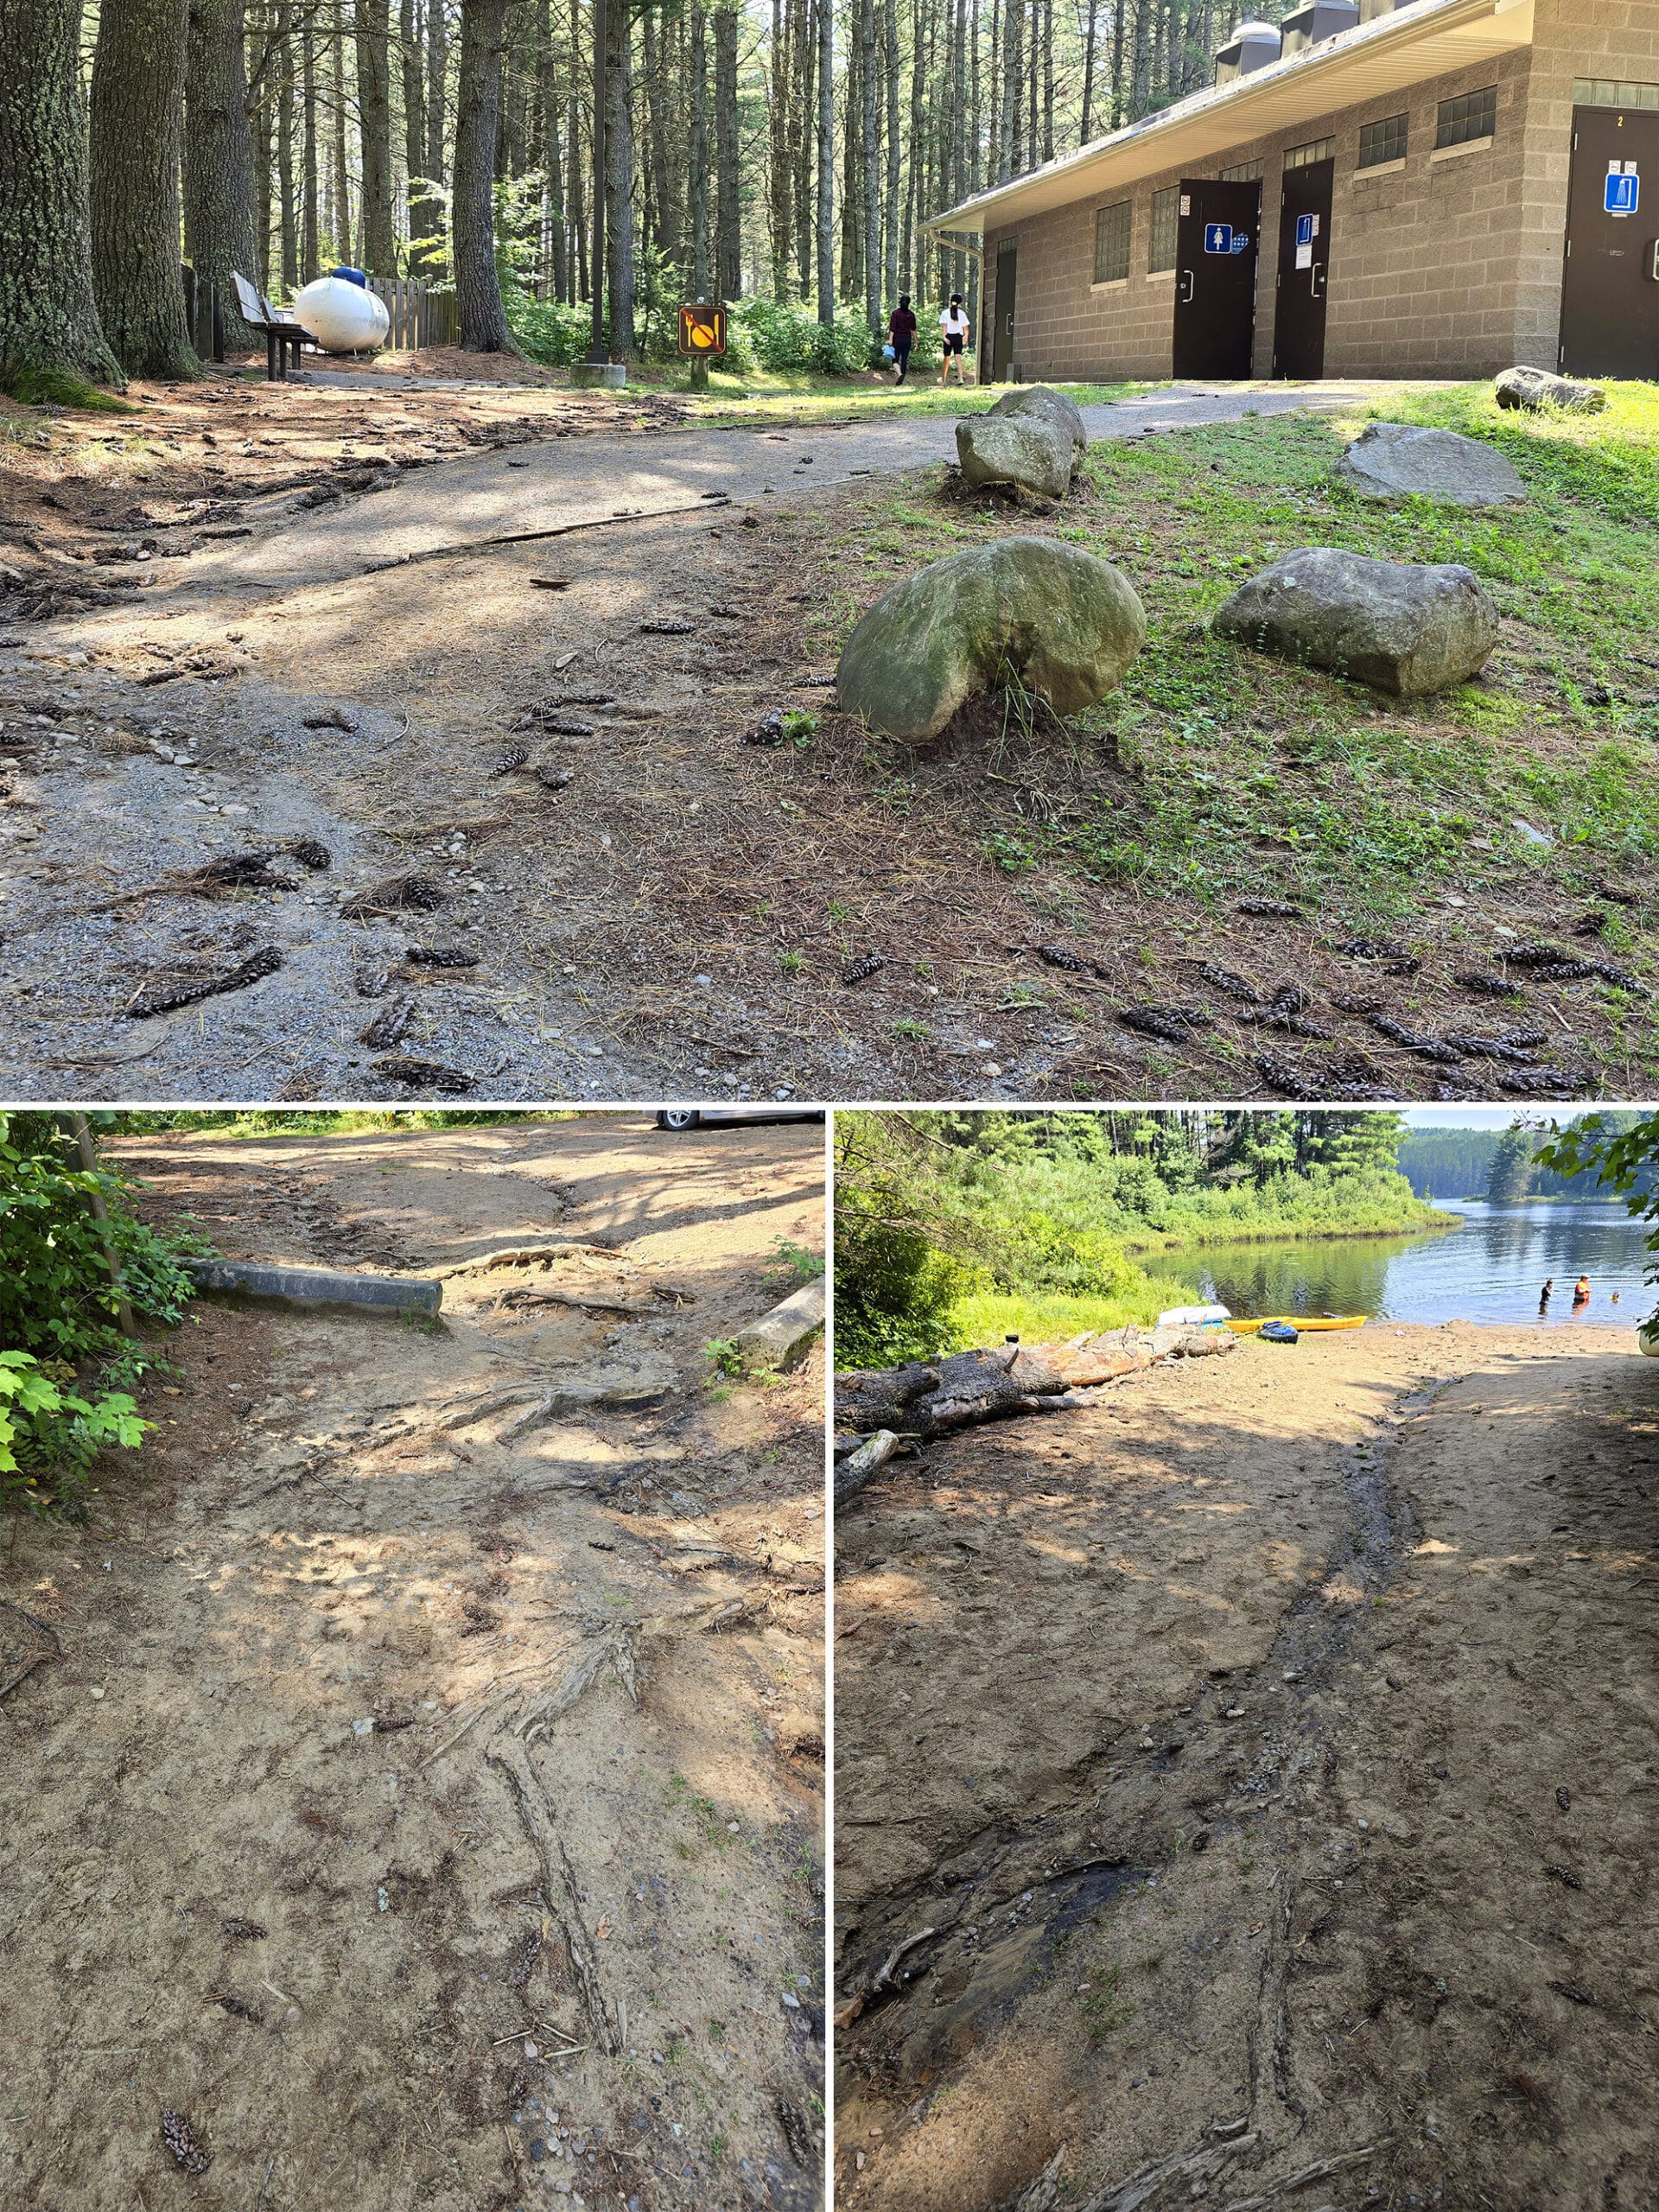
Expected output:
(953, 327)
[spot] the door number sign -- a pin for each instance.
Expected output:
(1621, 192)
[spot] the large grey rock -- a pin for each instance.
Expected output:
(1033, 437)
(1533, 388)
(1389, 461)
(784, 1337)
(1067, 623)
(1407, 629)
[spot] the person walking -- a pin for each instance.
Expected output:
(953, 327)
(901, 334)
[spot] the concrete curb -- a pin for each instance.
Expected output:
(782, 1338)
(317, 1285)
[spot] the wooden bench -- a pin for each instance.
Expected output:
(281, 332)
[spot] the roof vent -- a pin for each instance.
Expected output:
(1371, 10)
(1318, 21)
(1252, 45)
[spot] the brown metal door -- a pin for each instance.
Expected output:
(1609, 294)
(1216, 246)
(1304, 267)
(1002, 338)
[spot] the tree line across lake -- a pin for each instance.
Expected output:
(788, 150)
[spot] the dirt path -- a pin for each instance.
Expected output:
(645, 902)
(426, 1799)
(1266, 1762)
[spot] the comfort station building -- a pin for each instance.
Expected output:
(1441, 189)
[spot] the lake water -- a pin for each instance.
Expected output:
(1489, 1268)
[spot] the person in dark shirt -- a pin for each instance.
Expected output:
(901, 334)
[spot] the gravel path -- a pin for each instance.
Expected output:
(544, 487)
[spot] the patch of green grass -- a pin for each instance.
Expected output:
(1045, 1317)
(36, 387)
(800, 395)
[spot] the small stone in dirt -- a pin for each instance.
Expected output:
(1389, 461)
(423, 1075)
(1408, 628)
(363, 1727)
(180, 2140)
(861, 968)
(1062, 622)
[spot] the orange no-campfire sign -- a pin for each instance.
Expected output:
(702, 330)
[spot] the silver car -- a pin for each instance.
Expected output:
(703, 1117)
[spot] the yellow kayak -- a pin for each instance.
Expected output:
(1302, 1321)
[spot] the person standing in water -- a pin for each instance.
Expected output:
(901, 334)
(953, 327)
(1544, 1295)
(1581, 1291)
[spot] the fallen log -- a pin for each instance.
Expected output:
(855, 1470)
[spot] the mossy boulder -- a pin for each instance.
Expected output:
(1063, 621)
(1033, 437)
(1405, 628)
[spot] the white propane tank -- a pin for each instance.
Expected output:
(1648, 1337)
(341, 316)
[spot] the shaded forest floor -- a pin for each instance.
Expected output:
(284, 1851)
(661, 892)
(1252, 1776)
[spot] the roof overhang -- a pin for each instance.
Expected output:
(1431, 38)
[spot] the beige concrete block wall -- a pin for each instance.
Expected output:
(1446, 268)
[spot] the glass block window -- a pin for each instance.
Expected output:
(1112, 243)
(1303, 157)
(1602, 91)
(1243, 173)
(1165, 216)
(1472, 115)
(1383, 142)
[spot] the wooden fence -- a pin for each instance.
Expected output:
(422, 315)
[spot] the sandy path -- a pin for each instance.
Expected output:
(333, 1946)
(1275, 1752)
(369, 709)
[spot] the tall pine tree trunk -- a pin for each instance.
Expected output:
(618, 179)
(261, 122)
(852, 195)
(432, 168)
(1048, 80)
(310, 249)
(1088, 75)
(411, 58)
(552, 160)
(870, 152)
(728, 242)
(478, 119)
(891, 208)
(219, 159)
(49, 335)
(374, 121)
(777, 207)
(138, 122)
(697, 61)
(826, 223)
(287, 193)
(341, 219)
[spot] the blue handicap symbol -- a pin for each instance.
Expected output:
(1304, 230)
(1218, 238)
(1622, 195)
(1240, 241)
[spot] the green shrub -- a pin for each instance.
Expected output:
(49, 1436)
(781, 336)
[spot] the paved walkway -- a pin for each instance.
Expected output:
(581, 479)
